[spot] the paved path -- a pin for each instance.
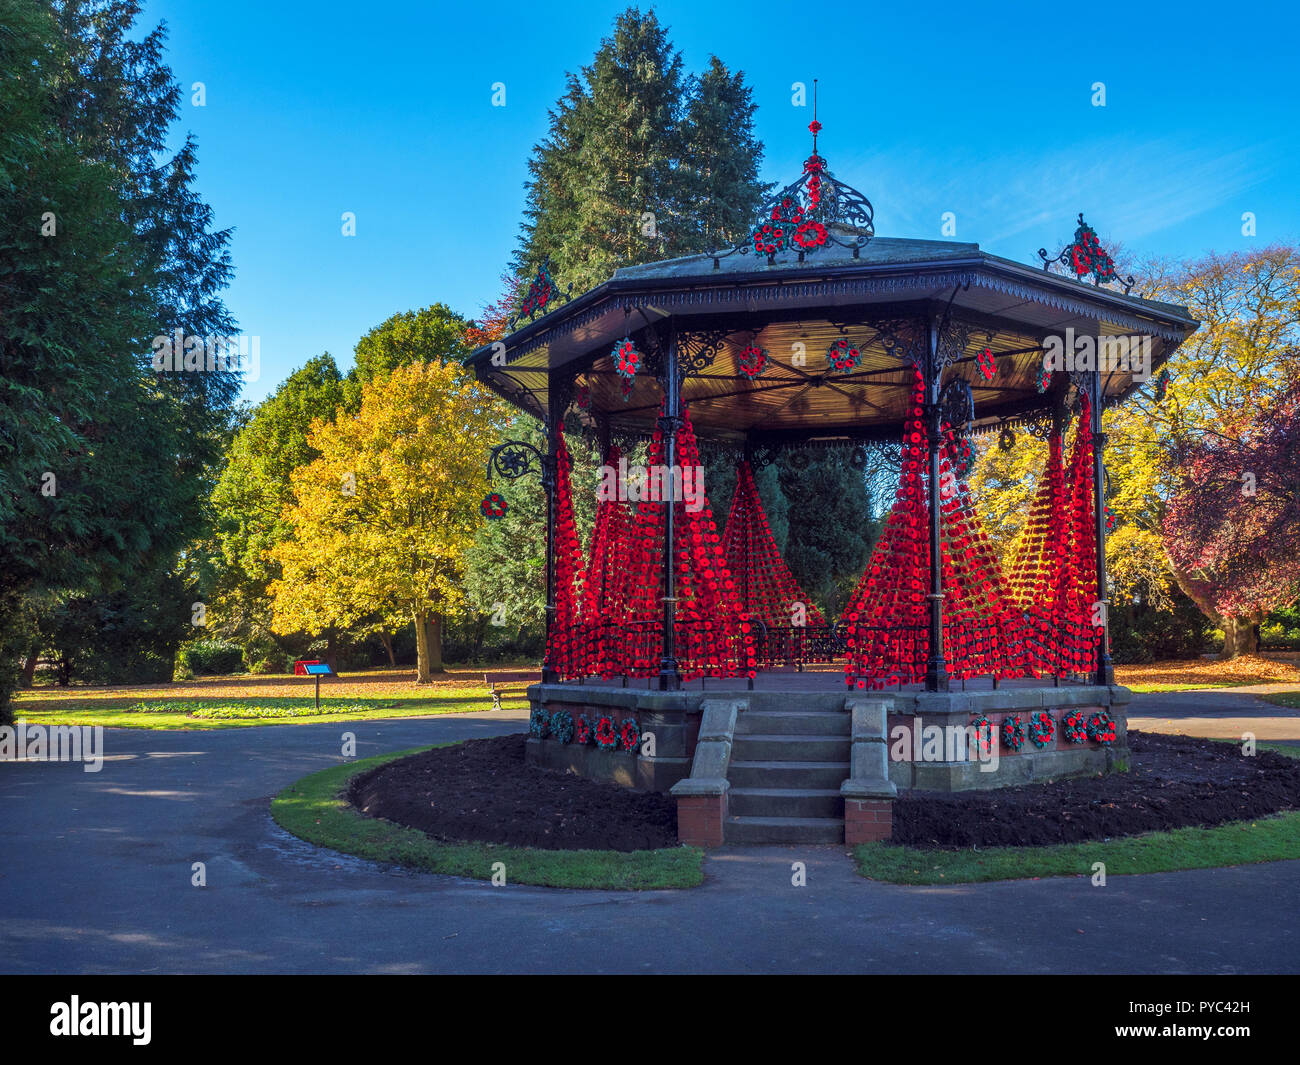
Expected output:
(1223, 713)
(95, 877)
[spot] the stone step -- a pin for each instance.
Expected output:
(792, 722)
(785, 802)
(791, 748)
(783, 830)
(804, 776)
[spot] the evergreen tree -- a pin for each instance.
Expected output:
(640, 163)
(722, 158)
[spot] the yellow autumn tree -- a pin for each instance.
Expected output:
(382, 519)
(1249, 307)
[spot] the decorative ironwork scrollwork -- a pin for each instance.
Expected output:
(957, 404)
(515, 459)
(540, 293)
(696, 352)
(1087, 256)
(815, 211)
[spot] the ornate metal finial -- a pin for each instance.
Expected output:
(540, 293)
(814, 212)
(1087, 256)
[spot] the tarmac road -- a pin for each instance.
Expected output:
(95, 873)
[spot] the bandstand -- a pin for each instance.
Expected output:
(681, 659)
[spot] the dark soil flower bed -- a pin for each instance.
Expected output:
(1173, 782)
(483, 790)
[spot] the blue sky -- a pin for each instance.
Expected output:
(384, 109)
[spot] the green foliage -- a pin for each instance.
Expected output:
(210, 657)
(1142, 633)
(102, 246)
(830, 528)
(431, 334)
(639, 163)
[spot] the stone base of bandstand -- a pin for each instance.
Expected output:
(897, 741)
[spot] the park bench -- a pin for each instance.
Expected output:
(509, 684)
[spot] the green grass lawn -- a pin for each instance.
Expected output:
(1288, 699)
(1143, 688)
(166, 714)
(1268, 839)
(312, 809)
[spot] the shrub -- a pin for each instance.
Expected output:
(210, 657)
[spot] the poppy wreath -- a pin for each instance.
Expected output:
(769, 239)
(752, 361)
(1162, 386)
(1111, 520)
(539, 722)
(605, 732)
(582, 734)
(627, 360)
(1101, 727)
(1074, 727)
(810, 235)
(1042, 729)
(983, 733)
(1013, 732)
(629, 735)
(987, 364)
(562, 726)
(843, 355)
(494, 506)
(1044, 381)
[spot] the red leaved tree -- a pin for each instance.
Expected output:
(1233, 525)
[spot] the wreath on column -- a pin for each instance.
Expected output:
(1101, 727)
(983, 733)
(562, 726)
(539, 722)
(605, 732)
(1013, 732)
(629, 736)
(1074, 726)
(1042, 729)
(582, 730)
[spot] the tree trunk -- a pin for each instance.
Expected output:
(435, 643)
(1240, 637)
(28, 677)
(386, 638)
(331, 650)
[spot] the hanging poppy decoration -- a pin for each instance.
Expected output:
(1006, 439)
(494, 506)
(627, 360)
(987, 364)
(1044, 381)
(583, 397)
(582, 730)
(752, 361)
(843, 355)
(1111, 520)
(1162, 386)
(629, 735)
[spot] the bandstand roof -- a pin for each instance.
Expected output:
(877, 291)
